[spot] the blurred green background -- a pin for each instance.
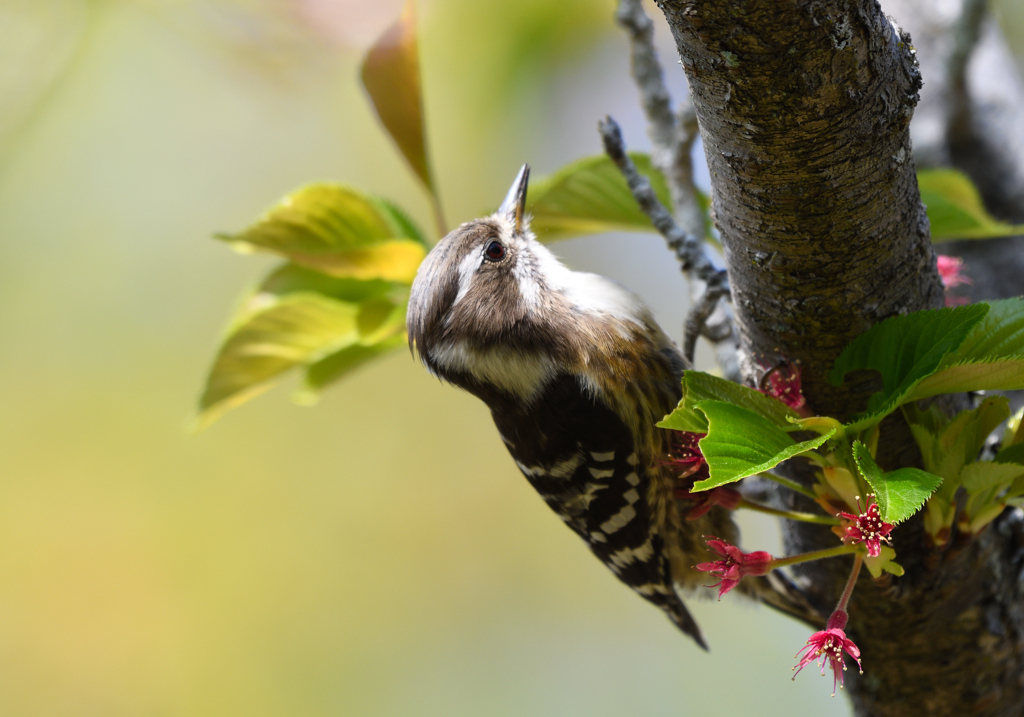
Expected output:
(378, 554)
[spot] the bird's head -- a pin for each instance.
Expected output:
(492, 305)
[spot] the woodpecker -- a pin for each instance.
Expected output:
(576, 373)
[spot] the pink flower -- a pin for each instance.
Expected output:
(734, 565)
(950, 271)
(950, 268)
(684, 455)
(830, 644)
(783, 382)
(867, 528)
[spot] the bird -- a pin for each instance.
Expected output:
(576, 373)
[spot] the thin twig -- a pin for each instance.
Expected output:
(787, 483)
(789, 514)
(672, 136)
(688, 248)
(697, 318)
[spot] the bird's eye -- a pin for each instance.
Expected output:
(495, 251)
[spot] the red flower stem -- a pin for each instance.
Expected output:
(789, 514)
(858, 560)
(815, 555)
(787, 483)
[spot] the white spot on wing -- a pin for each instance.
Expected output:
(598, 537)
(602, 457)
(652, 589)
(530, 470)
(626, 556)
(632, 460)
(633, 479)
(562, 469)
(619, 520)
(581, 501)
(599, 473)
(631, 496)
(566, 468)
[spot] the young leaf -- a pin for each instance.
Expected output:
(1000, 375)
(955, 209)
(391, 76)
(947, 445)
(291, 278)
(338, 231)
(341, 363)
(1000, 334)
(296, 317)
(904, 350)
(699, 386)
(990, 358)
(1011, 454)
(294, 329)
(900, 493)
(1014, 431)
(590, 196)
(985, 475)
(884, 562)
(741, 443)
(401, 224)
(903, 491)
(984, 481)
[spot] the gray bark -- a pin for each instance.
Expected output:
(804, 107)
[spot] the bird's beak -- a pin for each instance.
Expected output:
(514, 206)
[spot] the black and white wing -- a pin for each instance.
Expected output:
(579, 455)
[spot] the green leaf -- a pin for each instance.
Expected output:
(900, 493)
(291, 278)
(341, 363)
(904, 350)
(338, 231)
(741, 443)
(955, 209)
(391, 75)
(294, 329)
(948, 445)
(380, 319)
(1014, 431)
(699, 386)
(1000, 334)
(401, 224)
(299, 317)
(990, 358)
(985, 475)
(1004, 375)
(1011, 454)
(590, 196)
(984, 481)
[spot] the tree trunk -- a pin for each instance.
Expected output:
(804, 107)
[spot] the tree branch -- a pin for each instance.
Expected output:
(804, 110)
